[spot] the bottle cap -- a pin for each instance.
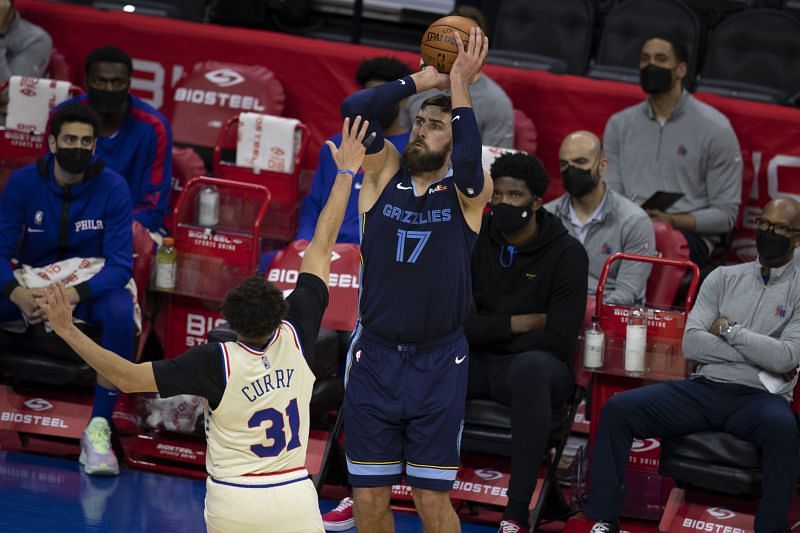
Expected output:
(595, 318)
(169, 241)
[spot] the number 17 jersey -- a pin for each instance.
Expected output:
(415, 250)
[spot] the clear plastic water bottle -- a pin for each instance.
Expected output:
(593, 345)
(166, 265)
(208, 207)
(636, 339)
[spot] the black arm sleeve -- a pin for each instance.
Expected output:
(307, 304)
(199, 371)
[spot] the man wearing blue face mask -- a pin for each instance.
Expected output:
(604, 221)
(529, 279)
(70, 213)
(134, 139)
(674, 143)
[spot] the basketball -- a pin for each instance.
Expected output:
(439, 47)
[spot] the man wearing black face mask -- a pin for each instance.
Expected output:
(675, 143)
(529, 280)
(371, 73)
(744, 333)
(604, 221)
(134, 139)
(69, 205)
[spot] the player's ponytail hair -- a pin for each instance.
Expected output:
(255, 308)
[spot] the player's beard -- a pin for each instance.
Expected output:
(419, 159)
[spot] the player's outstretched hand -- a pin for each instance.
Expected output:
(350, 154)
(470, 58)
(57, 308)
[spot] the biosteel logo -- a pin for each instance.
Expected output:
(488, 474)
(38, 404)
(224, 77)
(720, 513)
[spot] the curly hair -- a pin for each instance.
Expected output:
(108, 54)
(521, 166)
(381, 69)
(74, 113)
(255, 308)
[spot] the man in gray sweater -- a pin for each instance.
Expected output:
(744, 335)
(24, 47)
(602, 220)
(674, 143)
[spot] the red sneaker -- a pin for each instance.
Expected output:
(340, 518)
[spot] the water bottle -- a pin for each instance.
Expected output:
(593, 345)
(166, 265)
(636, 339)
(208, 207)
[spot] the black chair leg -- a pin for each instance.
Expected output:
(326, 455)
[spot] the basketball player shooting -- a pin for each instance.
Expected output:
(258, 388)
(407, 365)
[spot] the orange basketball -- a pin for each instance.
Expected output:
(439, 46)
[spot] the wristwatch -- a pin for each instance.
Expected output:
(725, 329)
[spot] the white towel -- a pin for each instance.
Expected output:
(490, 153)
(30, 101)
(70, 272)
(266, 142)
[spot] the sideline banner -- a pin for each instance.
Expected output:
(317, 75)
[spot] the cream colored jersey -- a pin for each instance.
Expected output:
(261, 423)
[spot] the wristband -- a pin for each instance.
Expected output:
(346, 171)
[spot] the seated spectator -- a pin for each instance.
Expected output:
(493, 109)
(134, 139)
(675, 143)
(604, 221)
(371, 73)
(70, 205)
(529, 289)
(744, 333)
(24, 47)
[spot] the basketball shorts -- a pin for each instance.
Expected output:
(284, 503)
(404, 410)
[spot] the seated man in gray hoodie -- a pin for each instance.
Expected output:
(604, 221)
(744, 333)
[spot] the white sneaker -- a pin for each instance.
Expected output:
(97, 457)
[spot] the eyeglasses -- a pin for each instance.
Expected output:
(781, 229)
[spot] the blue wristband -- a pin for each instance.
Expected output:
(346, 171)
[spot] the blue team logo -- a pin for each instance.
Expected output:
(780, 311)
(682, 151)
(606, 248)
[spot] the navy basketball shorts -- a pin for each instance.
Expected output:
(404, 410)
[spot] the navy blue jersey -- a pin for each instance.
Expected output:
(416, 282)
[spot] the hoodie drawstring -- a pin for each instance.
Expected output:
(511, 251)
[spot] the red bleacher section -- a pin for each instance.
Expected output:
(316, 75)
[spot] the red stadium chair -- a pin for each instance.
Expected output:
(212, 92)
(281, 220)
(23, 143)
(186, 164)
(58, 69)
(526, 138)
(665, 280)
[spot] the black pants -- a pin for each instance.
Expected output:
(681, 407)
(531, 384)
(698, 249)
